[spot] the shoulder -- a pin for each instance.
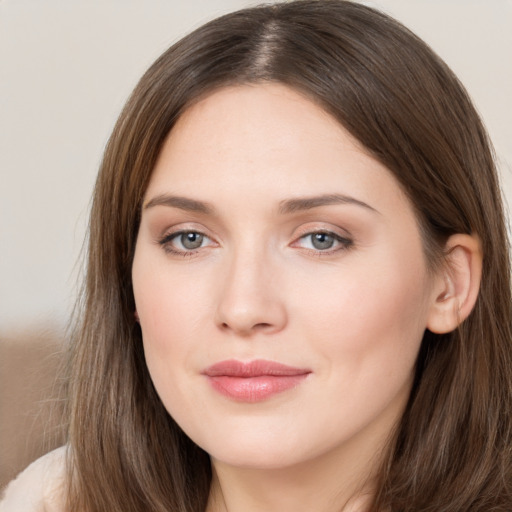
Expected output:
(40, 487)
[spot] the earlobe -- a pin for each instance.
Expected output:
(458, 283)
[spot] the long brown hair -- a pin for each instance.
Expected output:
(451, 451)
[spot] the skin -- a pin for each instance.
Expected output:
(257, 287)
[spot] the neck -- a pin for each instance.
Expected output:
(274, 492)
(329, 483)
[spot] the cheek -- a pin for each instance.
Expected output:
(167, 300)
(373, 314)
(167, 340)
(167, 305)
(365, 330)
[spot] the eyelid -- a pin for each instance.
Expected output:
(165, 240)
(344, 241)
(322, 227)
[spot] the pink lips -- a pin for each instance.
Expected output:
(253, 381)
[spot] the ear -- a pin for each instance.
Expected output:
(457, 285)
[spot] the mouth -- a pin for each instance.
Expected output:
(254, 381)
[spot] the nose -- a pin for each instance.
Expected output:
(251, 300)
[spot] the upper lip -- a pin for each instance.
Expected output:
(255, 368)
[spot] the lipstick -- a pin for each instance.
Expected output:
(253, 381)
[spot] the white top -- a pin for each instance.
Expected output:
(39, 488)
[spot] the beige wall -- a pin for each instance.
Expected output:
(66, 69)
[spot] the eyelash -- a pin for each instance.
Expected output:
(344, 243)
(166, 243)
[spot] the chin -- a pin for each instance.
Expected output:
(270, 449)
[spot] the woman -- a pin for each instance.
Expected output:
(298, 288)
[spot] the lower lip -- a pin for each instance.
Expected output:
(254, 389)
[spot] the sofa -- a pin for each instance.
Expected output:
(31, 397)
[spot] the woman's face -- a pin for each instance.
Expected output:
(280, 282)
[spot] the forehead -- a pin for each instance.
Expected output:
(270, 140)
(269, 113)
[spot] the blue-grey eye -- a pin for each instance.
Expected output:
(191, 240)
(322, 241)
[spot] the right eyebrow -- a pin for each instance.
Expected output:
(183, 203)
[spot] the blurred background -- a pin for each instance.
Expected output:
(66, 69)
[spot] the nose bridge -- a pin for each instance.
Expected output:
(250, 299)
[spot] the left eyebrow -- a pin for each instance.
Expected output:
(307, 203)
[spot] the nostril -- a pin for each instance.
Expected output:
(262, 326)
